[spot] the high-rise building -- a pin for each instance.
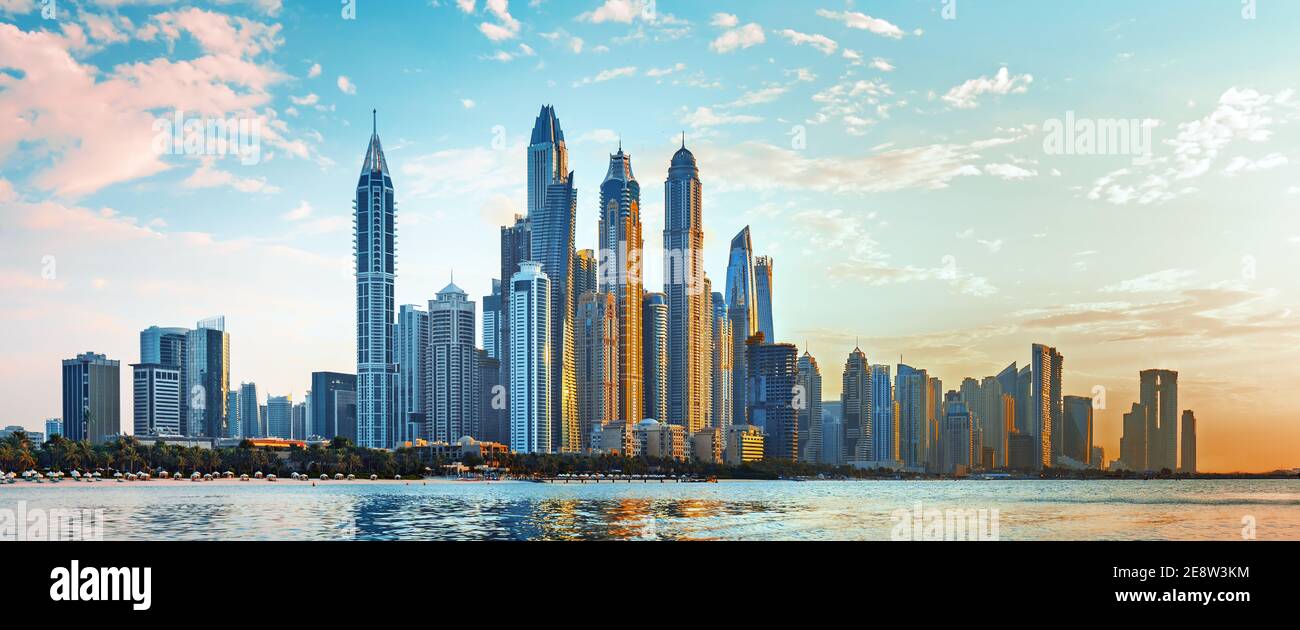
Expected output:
(299, 427)
(654, 355)
(956, 443)
(910, 390)
(452, 396)
(1158, 393)
(232, 413)
(494, 423)
(531, 415)
(773, 370)
(721, 365)
(552, 213)
(375, 251)
(333, 405)
(743, 315)
(689, 301)
(585, 270)
(992, 419)
(763, 267)
(207, 373)
(157, 400)
(492, 321)
(53, 427)
(1077, 429)
(1188, 464)
(412, 337)
(250, 414)
(279, 417)
(936, 409)
(91, 398)
(167, 347)
(810, 411)
(621, 248)
(1024, 401)
(855, 399)
(1046, 403)
(1133, 444)
(516, 247)
(884, 429)
(597, 346)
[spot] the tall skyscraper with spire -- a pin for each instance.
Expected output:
(855, 402)
(621, 247)
(743, 315)
(552, 213)
(689, 302)
(375, 210)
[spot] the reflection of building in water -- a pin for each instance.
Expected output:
(558, 519)
(630, 518)
(744, 444)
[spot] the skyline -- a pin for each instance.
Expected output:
(966, 319)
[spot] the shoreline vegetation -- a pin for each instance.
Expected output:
(130, 456)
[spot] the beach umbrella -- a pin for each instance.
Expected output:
(374, 477)
(397, 478)
(257, 475)
(352, 477)
(243, 477)
(176, 476)
(229, 475)
(338, 476)
(271, 477)
(162, 474)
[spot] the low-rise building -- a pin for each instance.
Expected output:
(706, 446)
(744, 444)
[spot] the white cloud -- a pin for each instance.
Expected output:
(1159, 281)
(346, 85)
(607, 75)
(621, 11)
(758, 97)
(882, 64)
(506, 26)
(1009, 171)
(302, 211)
(743, 37)
(725, 20)
(706, 117)
(663, 72)
(467, 103)
(1242, 164)
(207, 175)
(860, 21)
(966, 95)
(314, 71)
(821, 42)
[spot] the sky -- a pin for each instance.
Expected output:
(903, 162)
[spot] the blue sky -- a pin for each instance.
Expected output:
(891, 160)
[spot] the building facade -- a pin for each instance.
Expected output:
(654, 356)
(531, 415)
(156, 391)
(597, 347)
(855, 400)
(809, 409)
(772, 371)
(453, 389)
(411, 334)
(689, 300)
(375, 249)
(91, 398)
(621, 248)
(743, 315)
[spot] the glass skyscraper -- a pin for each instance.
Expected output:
(763, 268)
(620, 274)
(552, 213)
(375, 245)
(689, 302)
(530, 381)
(453, 387)
(743, 315)
(654, 317)
(91, 398)
(207, 375)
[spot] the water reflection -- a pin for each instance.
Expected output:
(724, 511)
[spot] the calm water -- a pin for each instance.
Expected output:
(741, 510)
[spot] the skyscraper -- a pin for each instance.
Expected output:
(232, 413)
(689, 302)
(494, 423)
(763, 267)
(621, 248)
(772, 372)
(1076, 431)
(91, 398)
(250, 415)
(53, 427)
(1133, 444)
(1158, 393)
(1188, 464)
(452, 394)
(492, 321)
(855, 399)
(1045, 412)
(585, 269)
(411, 335)
(910, 390)
(167, 347)
(157, 399)
(597, 347)
(207, 355)
(375, 250)
(552, 213)
(721, 365)
(530, 376)
(516, 247)
(743, 315)
(279, 417)
(654, 354)
(956, 441)
(884, 433)
(333, 405)
(810, 411)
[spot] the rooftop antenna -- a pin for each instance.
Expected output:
(374, 121)
(683, 138)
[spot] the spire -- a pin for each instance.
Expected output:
(375, 161)
(683, 138)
